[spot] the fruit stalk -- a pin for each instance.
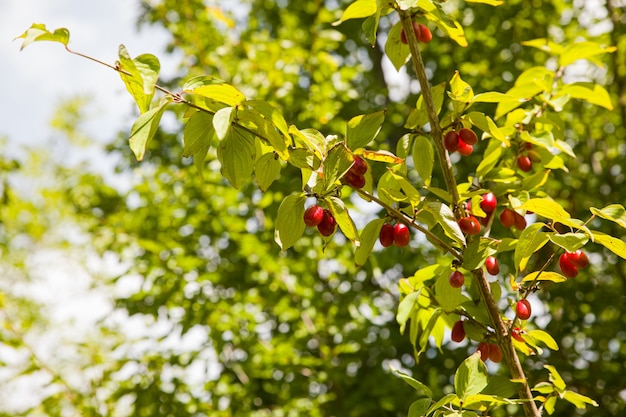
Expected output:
(504, 341)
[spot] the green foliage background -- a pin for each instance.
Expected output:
(305, 331)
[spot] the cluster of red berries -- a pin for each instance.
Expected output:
(525, 161)
(470, 225)
(489, 351)
(510, 218)
(316, 216)
(462, 141)
(422, 33)
(571, 261)
(398, 234)
(356, 174)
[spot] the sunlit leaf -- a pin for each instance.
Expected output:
(144, 129)
(544, 276)
(343, 219)
(545, 207)
(613, 212)
(471, 377)
(569, 241)
(38, 32)
(614, 244)
(363, 129)
(358, 10)
(380, 156)
(423, 158)
(530, 241)
(369, 236)
(418, 386)
(267, 170)
(579, 400)
(289, 221)
(140, 76)
(582, 50)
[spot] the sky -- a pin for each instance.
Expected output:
(35, 80)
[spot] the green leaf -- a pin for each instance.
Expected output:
(489, 2)
(405, 308)
(461, 93)
(476, 252)
(471, 377)
(615, 245)
(222, 120)
(38, 32)
(569, 241)
(236, 154)
(614, 212)
(363, 129)
(214, 89)
(418, 408)
(198, 133)
(423, 158)
(418, 386)
(445, 217)
(536, 180)
(397, 52)
(144, 129)
(266, 170)
(594, 94)
(408, 189)
(358, 10)
(140, 76)
(344, 221)
(289, 221)
(544, 276)
(530, 241)
(495, 97)
(490, 159)
(447, 296)
(555, 378)
(543, 337)
(369, 235)
(446, 399)
(545, 45)
(545, 207)
(272, 114)
(579, 400)
(419, 115)
(582, 50)
(501, 386)
(336, 164)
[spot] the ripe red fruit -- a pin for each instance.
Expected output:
(567, 267)
(520, 221)
(516, 334)
(386, 235)
(523, 310)
(356, 181)
(468, 136)
(359, 167)
(425, 36)
(507, 217)
(492, 265)
(528, 145)
(469, 225)
(457, 279)
(524, 163)
(464, 148)
(458, 332)
(495, 354)
(313, 215)
(578, 258)
(488, 202)
(401, 234)
(327, 225)
(484, 349)
(451, 141)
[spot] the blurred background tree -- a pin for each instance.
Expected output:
(208, 317)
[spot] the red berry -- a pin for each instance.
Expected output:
(425, 36)
(488, 202)
(523, 310)
(578, 258)
(520, 221)
(484, 349)
(507, 217)
(492, 265)
(465, 149)
(495, 354)
(528, 145)
(359, 167)
(356, 181)
(327, 225)
(457, 279)
(458, 332)
(386, 235)
(524, 163)
(468, 136)
(567, 266)
(401, 234)
(313, 215)
(469, 225)
(451, 141)
(516, 334)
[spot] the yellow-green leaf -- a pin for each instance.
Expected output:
(140, 76)
(545, 207)
(145, 128)
(357, 10)
(615, 245)
(342, 217)
(363, 129)
(582, 50)
(380, 156)
(423, 158)
(289, 221)
(266, 170)
(543, 337)
(614, 212)
(369, 235)
(38, 32)
(544, 276)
